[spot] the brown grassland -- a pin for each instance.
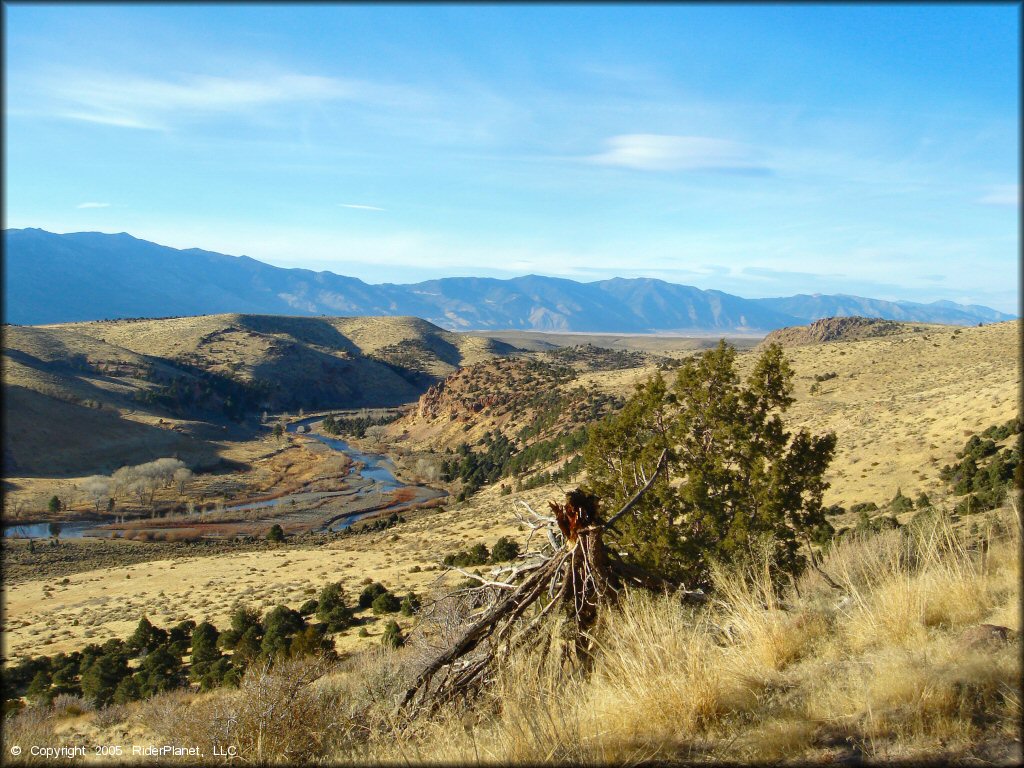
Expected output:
(894, 667)
(891, 666)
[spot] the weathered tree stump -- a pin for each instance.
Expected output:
(574, 574)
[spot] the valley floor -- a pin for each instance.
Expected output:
(914, 656)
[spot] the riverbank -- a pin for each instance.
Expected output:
(314, 482)
(91, 591)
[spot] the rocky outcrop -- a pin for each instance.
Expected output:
(830, 329)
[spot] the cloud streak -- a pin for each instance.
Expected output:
(359, 207)
(660, 152)
(93, 205)
(1007, 195)
(153, 103)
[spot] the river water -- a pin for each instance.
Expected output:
(375, 469)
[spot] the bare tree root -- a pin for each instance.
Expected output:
(571, 572)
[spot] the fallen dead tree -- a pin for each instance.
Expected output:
(571, 571)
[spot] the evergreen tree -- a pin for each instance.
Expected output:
(39, 688)
(901, 503)
(386, 603)
(127, 691)
(161, 671)
(733, 474)
(331, 608)
(248, 647)
(280, 624)
(311, 641)
(393, 635)
(146, 637)
(371, 593)
(204, 644)
(504, 549)
(100, 681)
(410, 604)
(182, 631)
(245, 617)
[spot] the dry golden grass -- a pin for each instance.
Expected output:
(880, 671)
(901, 405)
(49, 616)
(769, 675)
(241, 343)
(56, 376)
(760, 673)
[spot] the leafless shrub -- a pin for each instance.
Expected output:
(276, 715)
(164, 712)
(32, 726)
(66, 705)
(108, 717)
(97, 488)
(182, 476)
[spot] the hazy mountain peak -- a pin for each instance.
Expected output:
(91, 275)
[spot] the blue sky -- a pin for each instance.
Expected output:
(760, 150)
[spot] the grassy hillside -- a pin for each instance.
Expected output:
(88, 397)
(913, 655)
(902, 398)
(903, 404)
(74, 403)
(316, 362)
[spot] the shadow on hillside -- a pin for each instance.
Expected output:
(307, 330)
(47, 437)
(308, 378)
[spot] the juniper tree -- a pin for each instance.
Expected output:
(386, 603)
(732, 473)
(331, 608)
(204, 644)
(684, 475)
(100, 680)
(393, 635)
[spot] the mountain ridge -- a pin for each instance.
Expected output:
(83, 276)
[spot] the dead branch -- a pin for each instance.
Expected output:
(482, 580)
(821, 572)
(639, 494)
(577, 576)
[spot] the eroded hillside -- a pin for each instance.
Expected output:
(901, 398)
(903, 404)
(88, 397)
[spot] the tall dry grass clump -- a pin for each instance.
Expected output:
(764, 673)
(32, 726)
(277, 715)
(915, 668)
(901, 584)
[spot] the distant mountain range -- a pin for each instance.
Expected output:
(53, 278)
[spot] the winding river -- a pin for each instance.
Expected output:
(370, 482)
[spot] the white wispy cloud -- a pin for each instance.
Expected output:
(1003, 195)
(361, 207)
(660, 152)
(93, 205)
(120, 121)
(155, 103)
